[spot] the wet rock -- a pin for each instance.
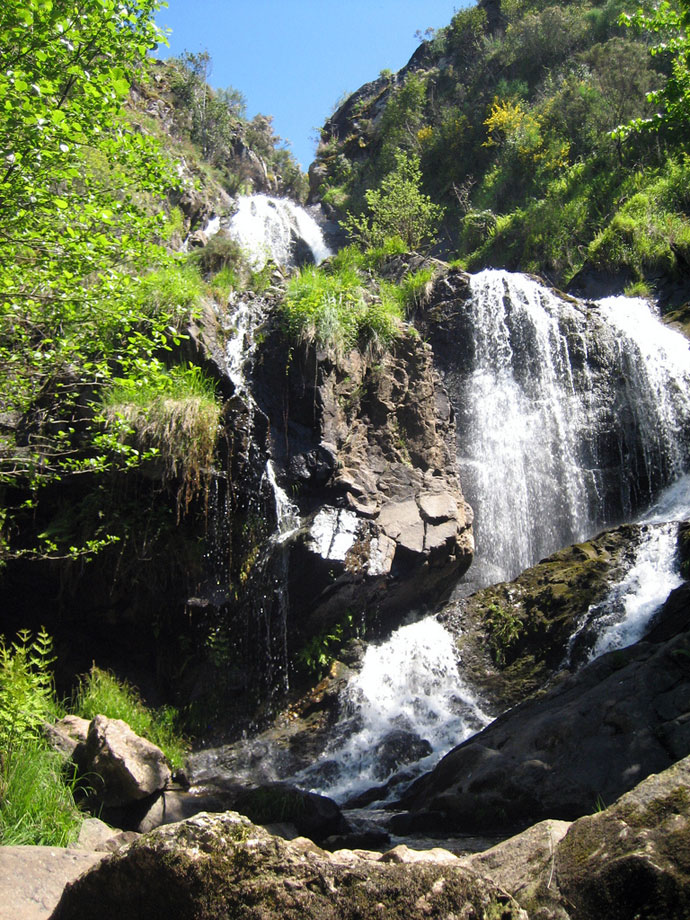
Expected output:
(515, 636)
(120, 766)
(217, 866)
(397, 748)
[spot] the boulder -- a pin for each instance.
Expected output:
(65, 734)
(223, 865)
(312, 815)
(32, 878)
(119, 765)
(632, 859)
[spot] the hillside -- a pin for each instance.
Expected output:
(512, 110)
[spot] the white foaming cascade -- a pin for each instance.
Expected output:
(570, 416)
(408, 684)
(275, 228)
(624, 615)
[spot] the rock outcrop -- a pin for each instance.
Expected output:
(586, 741)
(513, 637)
(222, 865)
(367, 444)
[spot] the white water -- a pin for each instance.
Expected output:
(570, 417)
(268, 228)
(411, 683)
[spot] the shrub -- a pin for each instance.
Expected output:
(330, 309)
(170, 415)
(397, 207)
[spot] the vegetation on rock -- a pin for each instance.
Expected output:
(525, 129)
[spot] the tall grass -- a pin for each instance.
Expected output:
(101, 693)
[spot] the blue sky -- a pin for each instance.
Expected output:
(294, 59)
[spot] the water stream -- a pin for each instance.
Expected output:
(277, 229)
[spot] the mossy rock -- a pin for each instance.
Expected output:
(221, 866)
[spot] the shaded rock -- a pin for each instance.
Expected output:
(633, 859)
(121, 767)
(175, 805)
(222, 866)
(589, 739)
(314, 816)
(32, 878)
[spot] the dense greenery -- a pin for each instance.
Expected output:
(82, 201)
(526, 125)
(37, 786)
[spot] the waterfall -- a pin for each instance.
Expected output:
(405, 708)
(571, 416)
(277, 229)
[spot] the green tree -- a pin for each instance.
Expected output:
(670, 22)
(80, 211)
(398, 207)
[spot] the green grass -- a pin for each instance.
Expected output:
(101, 693)
(331, 310)
(37, 805)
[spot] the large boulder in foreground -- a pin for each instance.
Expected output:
(586, 742)
(120, 766)
(220, 866)
(630, 860)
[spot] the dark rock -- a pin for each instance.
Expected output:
(589, 739)
(221, 866)
(397, 748)
(314, 816)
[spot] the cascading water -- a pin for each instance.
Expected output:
(277, 229)
(570, 417)
(405, 708)
(624, 615)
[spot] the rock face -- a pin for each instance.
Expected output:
(121, 766)
(588, 740)
(220, 866)
(32, 878)
(368, 447)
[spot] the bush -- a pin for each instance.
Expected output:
(397, 208)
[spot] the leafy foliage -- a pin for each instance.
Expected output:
(397, 207)
(81, 223)
(36, 806)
